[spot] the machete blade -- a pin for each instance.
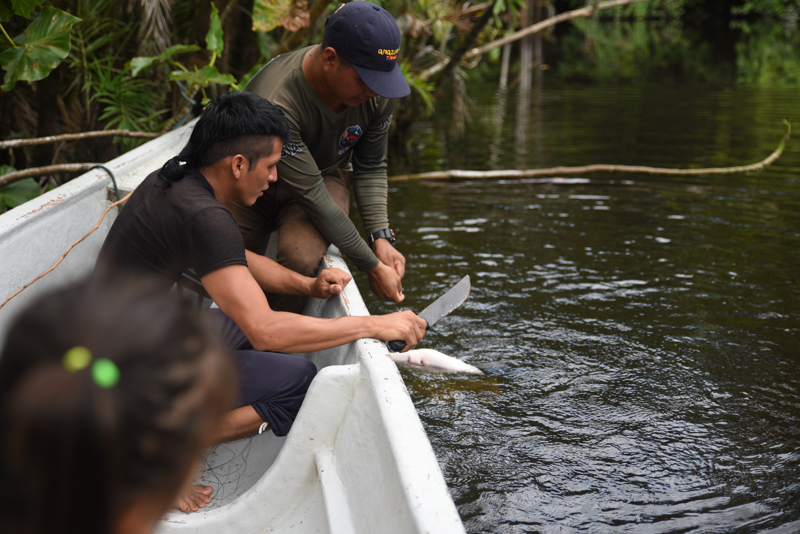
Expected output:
(447, 302)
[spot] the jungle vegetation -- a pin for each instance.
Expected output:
(73, 66)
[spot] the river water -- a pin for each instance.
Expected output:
(639, 335)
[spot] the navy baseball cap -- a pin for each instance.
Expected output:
(367, 36)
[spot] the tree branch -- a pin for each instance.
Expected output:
(588, 169)
(13, 143)
(47, 169)
(530, 30)
(464, 46)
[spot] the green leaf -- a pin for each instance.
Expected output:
(249, 76)
(208, 74)
(214, 37)
(6, 11)
(19, 192)
(139, 63)
(269, 14)
(23, 8)
(44, 44)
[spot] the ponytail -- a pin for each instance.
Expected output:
(233, 123)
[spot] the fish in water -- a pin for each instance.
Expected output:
(432, 360)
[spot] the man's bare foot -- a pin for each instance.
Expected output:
(194, 498)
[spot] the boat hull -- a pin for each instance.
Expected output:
(357, 459)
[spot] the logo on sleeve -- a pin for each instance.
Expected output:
(290, 149)
(385, 124)
(349, 138)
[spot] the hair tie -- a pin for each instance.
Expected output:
(105, 373)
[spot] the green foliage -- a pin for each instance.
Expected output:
(787, 11)
(621, 50)
(203, 77)
(214, 37)
(41, 47)
(768, 56)
(267, 14)
(423, 88)
(271, 14)
(137, 64)
(16, 193)
(129, 103)
(196, 78)
(23, 8)
(249, 76)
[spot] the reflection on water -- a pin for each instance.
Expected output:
(641, 342)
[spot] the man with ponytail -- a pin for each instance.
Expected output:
(176, 222)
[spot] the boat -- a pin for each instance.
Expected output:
(357, 459)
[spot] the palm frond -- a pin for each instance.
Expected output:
(154, 30)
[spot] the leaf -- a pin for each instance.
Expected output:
(139, 63)
(19, 192)
(44, 44)
(23, 8)
(208, 74)
(6, 11)
(214, 37)
(269, 14)
(249, 76)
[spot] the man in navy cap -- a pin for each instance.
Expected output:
(339, 99)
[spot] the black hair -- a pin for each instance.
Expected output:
(76, 455)
(233, 123)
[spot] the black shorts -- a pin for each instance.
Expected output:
(274, 384)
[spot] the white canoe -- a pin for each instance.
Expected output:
(357, 459)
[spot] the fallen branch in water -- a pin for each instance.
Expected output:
(13, 143)
(530, 30)
(87, 234)
(588, 169)
(47, 169)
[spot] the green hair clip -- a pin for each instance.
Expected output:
(105, 373)
(77, 358)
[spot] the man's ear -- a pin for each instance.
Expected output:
(330, 59)
(238, 163)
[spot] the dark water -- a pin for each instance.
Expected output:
(641, 341)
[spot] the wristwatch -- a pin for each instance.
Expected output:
(386, 234)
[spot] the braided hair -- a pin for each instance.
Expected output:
(76, 453)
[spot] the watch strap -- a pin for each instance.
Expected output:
(387, 234)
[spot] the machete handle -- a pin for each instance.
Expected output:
(396, 345)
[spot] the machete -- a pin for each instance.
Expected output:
(440, 307)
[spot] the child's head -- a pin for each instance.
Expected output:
(109, 390)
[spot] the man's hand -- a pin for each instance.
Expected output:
(385, 283)
(404, 325)
(390, 256)
(329, 282)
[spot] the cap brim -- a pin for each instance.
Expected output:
(390, 84)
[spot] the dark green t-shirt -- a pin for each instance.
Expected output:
(323, 141)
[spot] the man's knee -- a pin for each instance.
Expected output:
(301, 248)
(305, 375)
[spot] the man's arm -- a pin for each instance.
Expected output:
(370, 156)
(273, 277)
(239, 296)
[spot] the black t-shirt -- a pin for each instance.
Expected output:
(172, 230)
